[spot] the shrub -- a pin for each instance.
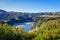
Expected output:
(49, 31)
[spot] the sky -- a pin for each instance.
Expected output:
(30, 5)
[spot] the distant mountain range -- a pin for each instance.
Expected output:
(12, 16)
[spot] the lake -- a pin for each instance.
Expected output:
(26, 25)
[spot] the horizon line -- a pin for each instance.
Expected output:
(27, 11)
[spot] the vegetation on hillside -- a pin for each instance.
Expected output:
(42, 20)
(12, 33)
(49, 30)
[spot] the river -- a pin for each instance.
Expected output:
(26, 25)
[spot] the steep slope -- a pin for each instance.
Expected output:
(49, 30)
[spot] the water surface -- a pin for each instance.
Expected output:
(26, 25)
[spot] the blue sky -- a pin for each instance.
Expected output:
(30, 5)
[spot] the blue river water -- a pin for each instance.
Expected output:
(26, 25)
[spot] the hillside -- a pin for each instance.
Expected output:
(49, 30)
(14, 17)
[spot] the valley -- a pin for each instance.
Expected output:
(29, 26)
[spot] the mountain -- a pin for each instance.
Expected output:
(12, 16)
(2, 11)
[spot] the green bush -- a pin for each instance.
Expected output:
(12, 33)
(49, 31)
